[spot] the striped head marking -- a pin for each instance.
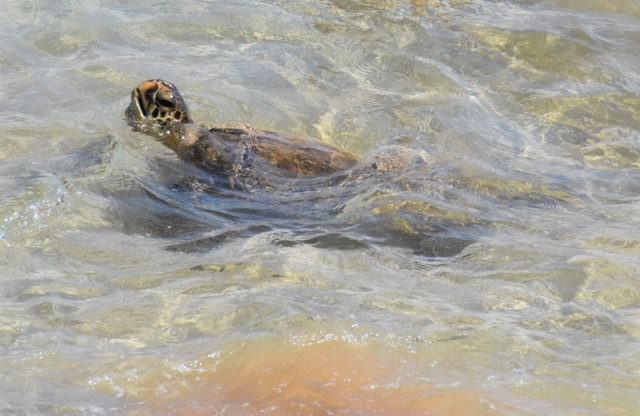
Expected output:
(158, 100)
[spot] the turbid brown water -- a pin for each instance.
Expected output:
(499, 278)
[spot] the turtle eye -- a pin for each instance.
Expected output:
(163, 102)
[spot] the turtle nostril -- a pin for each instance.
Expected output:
(155, 113)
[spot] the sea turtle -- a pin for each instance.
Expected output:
(157, 109)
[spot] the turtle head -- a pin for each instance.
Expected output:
(157, 100)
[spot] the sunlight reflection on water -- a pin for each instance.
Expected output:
(498, 277)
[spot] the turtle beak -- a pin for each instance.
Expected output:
(136, 108)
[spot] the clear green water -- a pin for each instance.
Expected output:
(508, 268)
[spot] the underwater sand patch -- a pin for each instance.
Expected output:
(330, 377)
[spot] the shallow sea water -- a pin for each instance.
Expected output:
(500, 277)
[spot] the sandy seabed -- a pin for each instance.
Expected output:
(277, 377)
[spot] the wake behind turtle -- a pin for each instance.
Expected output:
(395, 195)
(319, 194)
(411, 201)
